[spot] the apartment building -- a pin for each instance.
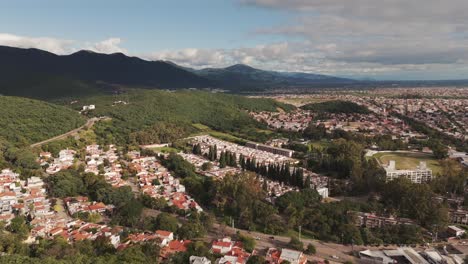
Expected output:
(421, 174)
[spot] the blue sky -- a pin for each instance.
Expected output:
(142, 25)
(397, 39)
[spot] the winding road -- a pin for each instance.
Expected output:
(89, 123)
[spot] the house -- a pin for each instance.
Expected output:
(199, 260)
(229, 260)
(455, 231)
(293, 256)
(6, 218)
(88, 107)
(97, 208)
(273, 256)
(323, 192)
(174, 246)
(165, 237)
(233, 251)
(222, 246)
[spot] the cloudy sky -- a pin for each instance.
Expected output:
(380, 39)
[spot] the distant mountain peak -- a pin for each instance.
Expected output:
(84, 51)
(240, 67)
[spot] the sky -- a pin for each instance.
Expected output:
(377, 39)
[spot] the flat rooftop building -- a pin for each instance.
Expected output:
(421, 174)
(279, 151)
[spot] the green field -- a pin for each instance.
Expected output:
(408, 161)
(165, 149)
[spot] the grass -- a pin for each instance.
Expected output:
(408, 161)
(165, 149)
(320, 144)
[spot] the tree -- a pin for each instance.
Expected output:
(155, 182)
(207, 166)
(248, 242)
(129, 213)
(439, 150)
(222, 160)
(191, 230)
(257, 260)
(310, 249)
(296, 244)
(153, 203)
(132, 255)
(18, 226)
(165, 221)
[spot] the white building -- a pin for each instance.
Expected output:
(421, 174)
(199, 260)
(89, 107)
(323, 192)
(293, 256)
(455, 231)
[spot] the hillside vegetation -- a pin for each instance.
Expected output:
(336, 107)
(25, 121)
(141, 119)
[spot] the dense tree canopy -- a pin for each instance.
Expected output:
(25, 121)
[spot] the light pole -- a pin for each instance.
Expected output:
(300, 228)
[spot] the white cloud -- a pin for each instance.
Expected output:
(58, 46)
(108, 46)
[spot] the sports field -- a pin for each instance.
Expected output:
(409, 160)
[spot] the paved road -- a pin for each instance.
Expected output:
(88, 124)
(264, 241)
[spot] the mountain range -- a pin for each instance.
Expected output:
(41, 74)
(38, 73)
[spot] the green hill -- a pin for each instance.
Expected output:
(27, 121)
(336, 107)
(143, 116)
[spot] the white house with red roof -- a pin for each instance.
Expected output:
(165, 236)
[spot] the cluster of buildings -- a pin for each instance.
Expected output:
(105, 162)
(274, 188)
(81, 204)
(411, 256)
(26, 197)
(64, 161)
(445, 115)
(263, 156)
(296, 120)
(232, 251)
(156, 181)
(29, 198)
(371, 220)
(165, 239)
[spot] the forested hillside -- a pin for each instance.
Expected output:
(336, 107)
(135, 117)
(40, 74)
(25, 121)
